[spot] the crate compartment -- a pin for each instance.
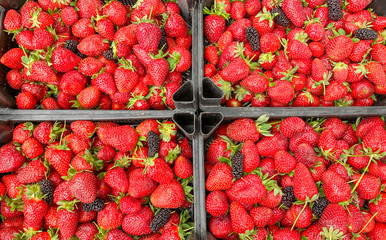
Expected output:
(186, 123)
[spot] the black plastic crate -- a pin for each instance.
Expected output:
(186, 122)
(210, 95)
(185, 98)
(210, 121)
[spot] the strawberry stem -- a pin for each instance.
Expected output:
(360, 179)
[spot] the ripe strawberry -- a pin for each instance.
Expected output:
(211, 54)
(11, 157)
(255, 83)
(140, 185)
(235, 71)
(90, 66)
(375, 73)
(175, 26)
(113, 135)
(378, 52)
(241, 221)
(214, 23)
(286, 233)
(180, 59)
(59, 156)
(26, 100)
(168, 195)
(63, 60)
(376, 139)
(33, 172)
(220, 178)
(251, 157)
(183, 167)
(116, 12)
(69, 15)
(125, 76)
(282, 92)
(89, 8)
(217, 203)
(83, 28)
(148, 43)
(339, 48)
(334, 216)
(84, 187)
(73, 82)
(110, 217)
(12, 20)
(117, 234)
(269, 42)
(364, 190)
(13, 58)
(238, 27)
(269, 145)
(138, 223)
(237, 10)
(105, 27)
(334, 91)
(356, 5)
(68, 218)
(93, 45)
(88, 98)
(298, 50)
(24, 39)
(335, 187)
(247, 190)
(304, 185)
(15, 79)
(291, 126)
(284, 162)
(34, 207)
(293, 9)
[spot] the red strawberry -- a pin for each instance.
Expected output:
(125, 76)
(304, 185)
(140, 185)
(89, 8)
(89, 98)
(34, 207)
(33, 172)
(251, 157)
(110, 217)
(90, 66)
(116, 12)
(368, 186)
(241, 221)
(284, 162)
(183, 167)
(12, 20)
(63, 60)
(68, 217)
(93, 45)
(339, 48)
(60, 157)
(255, 83)
(148, 36)
(13, 58)
(293, 9)
(83, 128)
(245, 129)
(84, 187)
(376, 139)
(291, 126)
(105, 27)
(26, 100)
(220, 178)
(217, 203)
(238, 27)
(180, 59)
(168, 195)
(237, 10)
(113, 135)
(334, 216)
(83, 28)
(11, 158)
(335, 187)
(138, 223)
(69, 15)
(175, 26)
(375, 73)
(357, 5)
(247, 190)
(214, 23)
(282, 92)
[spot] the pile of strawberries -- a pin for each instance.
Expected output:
(299, 53)
(316, 179)
(90, 55)
(97, 180)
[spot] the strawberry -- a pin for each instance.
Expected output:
(84, 187)
(298, 50)
(88, 8)
(284, 162)
(116, 12)
(175, 26)
(378, 53)
(282, 92)
(246, 129)
(180, 59)
(237, 10)
(69, 15)
(125, 76)
(238, 27)
(68, 217)
(247, 190)
(269, 145)
(220, 227)
(83, 28)
(33, 172)
(304, 185)
(220, 178)
(105, 27)
(129, 205)
(138, 223)
(12, 20)
(241, 221)
(63, 60)
(217, 203)
(331, 183)
(339, 48)
(286, 233)
(251, 157)
(93, 45)
(333, 217)
(110, 217)
(375, 139)
(291, 126)
(140, 185)
(15, 79)
(168, 195)
(214, 23)
(90, 66)
(183, 167)
(293, 9)
(117, 234)
(235, 71)
(375, 73)
(13, 58)
(26, 100)
(88, 98)
(11, 158)
(334, 91)
(113, 135)
(34, 207)
(356, 6)
(24, 39)
(83, 128)
(148, 42)
(59, 156)
(255, 83)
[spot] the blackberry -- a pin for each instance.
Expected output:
(72, 45)
(152, 143)
(319, 206)
(334, 10)
(163, 44)
(109, 54)
(366, 34)
(237, 165)
(47, 188)
(288, 196)
(281, 19)
(81, 55)
(253, 38)
(97, 205)
(160, 219)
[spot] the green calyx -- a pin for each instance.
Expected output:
(218, 8)
(187, 186)
(331, 233)
(263, 126)
(185, 228)
(266, 15)
(34, 192)
(126, 64)
(167, 130)
(149, 162)
(227, 88)
(241, 92)
(173, 154)
(173, 60)
(67, 205)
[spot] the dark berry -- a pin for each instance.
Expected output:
(72, 45)
(319, 206)
(334, 10)
(109, 54)
(288, 196)
(47, 188)
(152, 143)
(125, 2)
(160, 219)
(79, 54)
(281, 19)
(366, 34)
(253, 38)
(237, 165)
(163, 44)
(97, 205)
